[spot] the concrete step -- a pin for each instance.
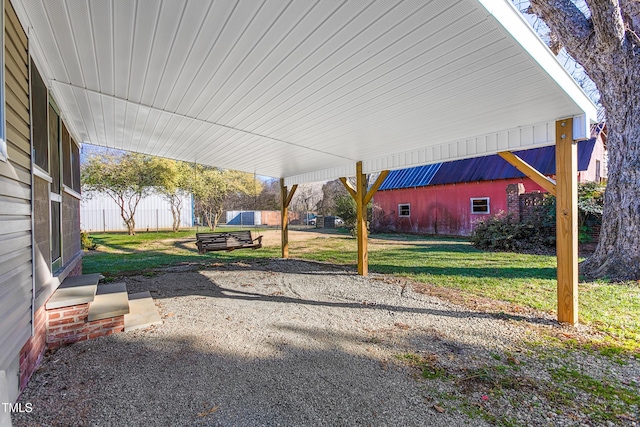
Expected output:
(110, 301)
(142, 312)
(74, 290)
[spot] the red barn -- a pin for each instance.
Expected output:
(449, 198)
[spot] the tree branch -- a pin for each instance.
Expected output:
(630, 10)
(570, 25)
(607, 23)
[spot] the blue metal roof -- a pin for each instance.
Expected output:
(485, 168)
(411, 177)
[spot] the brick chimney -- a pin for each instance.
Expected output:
(513, 199)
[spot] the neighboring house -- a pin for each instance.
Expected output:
(98, 212)
(39, 207)
(449, 198)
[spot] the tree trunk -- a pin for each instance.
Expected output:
(216, 217)
(208, 217)
(128, 220)
(175, 203)
(617, 255)
(606, 43)
(131, 226)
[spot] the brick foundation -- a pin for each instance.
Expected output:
(58, 327)
(61, 326)
(32, 352)
(77, 270)
(67, 325)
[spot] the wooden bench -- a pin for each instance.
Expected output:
(226, 241)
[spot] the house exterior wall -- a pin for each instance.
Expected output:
(442, 209)
(16, 277)
(598, 160)
(26, 276)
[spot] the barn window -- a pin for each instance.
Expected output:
(480, 205)
(404, 210)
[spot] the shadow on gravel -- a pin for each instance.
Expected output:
(144, 379)
(209, 288)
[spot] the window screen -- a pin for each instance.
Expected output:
(54, 148)
(39, 107)
(67, 173)
(404, 210)
(75, 165)
(56, 237)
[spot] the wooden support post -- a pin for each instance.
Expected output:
(361, 222)
(362, 198)
(285, 197)
(567, 221)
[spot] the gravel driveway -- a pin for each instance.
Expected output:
(286, 342)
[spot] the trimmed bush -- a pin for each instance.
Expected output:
(503, 233)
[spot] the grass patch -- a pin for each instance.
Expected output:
(121, 254)
(428, 365)
(607, 401)
(446, 263)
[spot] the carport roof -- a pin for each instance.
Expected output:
(302, 90)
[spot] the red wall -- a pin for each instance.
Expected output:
(442, 209)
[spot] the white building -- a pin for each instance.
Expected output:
(98, 212)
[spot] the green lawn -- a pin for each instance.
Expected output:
(525, 280)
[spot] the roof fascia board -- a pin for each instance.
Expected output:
(509, 18)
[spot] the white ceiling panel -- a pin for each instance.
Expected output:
(300, 89)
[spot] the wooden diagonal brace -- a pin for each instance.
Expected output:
(290, 195)
(375, 187)
(529, 171)
(349, 187)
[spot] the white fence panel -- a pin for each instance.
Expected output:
(98, 212)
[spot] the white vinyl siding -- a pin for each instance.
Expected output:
(16, 277)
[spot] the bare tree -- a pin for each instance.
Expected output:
(603, 37)
(331, 190)
(306, 198)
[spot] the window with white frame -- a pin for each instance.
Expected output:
(404, 210)
(3, 131)
(480, 205)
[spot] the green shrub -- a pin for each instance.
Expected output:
(347, 210)
(503, 233)
(86, 242)
(590, 206)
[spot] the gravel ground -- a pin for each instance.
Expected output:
(287, 342)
